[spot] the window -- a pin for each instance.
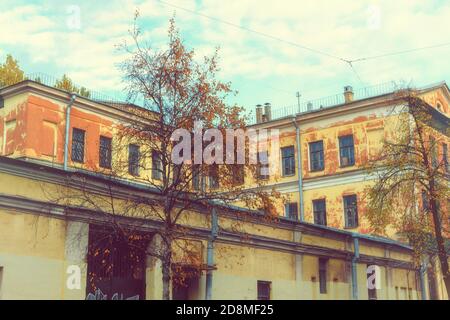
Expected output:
(320, 213)
(288, 160)
(291, 210)
(425, 204)
(316, 156)
(434, 158)
(238, 171)
(264, 290)
(445, 156)
(346, 151)
(133, 159)
(197, 178)
(350, 211)
(78, 145)
(263, 165)
(156, 165)
(323, 275)
(372, 292)
(213, 177)
(105, 152)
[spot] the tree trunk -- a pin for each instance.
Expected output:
(166, 277)
(166, 267)
(442, 254)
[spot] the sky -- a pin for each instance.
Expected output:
(269, 50)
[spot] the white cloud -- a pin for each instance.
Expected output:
(336, 27)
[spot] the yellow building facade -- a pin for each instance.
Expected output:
(44, 245)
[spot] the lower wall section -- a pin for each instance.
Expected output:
(40, 256)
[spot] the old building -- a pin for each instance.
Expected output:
(322, 250)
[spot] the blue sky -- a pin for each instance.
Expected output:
(46, 36)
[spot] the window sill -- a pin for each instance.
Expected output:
(317, 170)
(288, 175)
(347, 165)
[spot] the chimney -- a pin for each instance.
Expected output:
(348, 94)
(259, 115)
(267, 111)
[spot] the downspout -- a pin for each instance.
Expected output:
(66, 141)
(299, 168)
(354, 267)
(210, 254)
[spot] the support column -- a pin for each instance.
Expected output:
(75, 266)
(153, 272)
(210, 254)
(298, 266)
(355, 268)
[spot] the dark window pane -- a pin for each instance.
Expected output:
(434, 158)
(288, 160)
(198, 180)
(346, 151)
(213, 177)
(445, 157)
(350, 211)
(323, 275)
(264, 290)
(105, 152)
(291, 210)
(319, 209)
(157, 171)
(133, 159)
(263, 165)
(238, 171)
(316, 156)
(78, 145)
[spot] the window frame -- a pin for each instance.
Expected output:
(320, 152)
(78, 145)
(322, 212)
(288, 158)
(322, 267)
(259, 286)
(133, 163)
(348, 149)
(346, 208)
(261, 165)
(156, 165)
(288, 212)
(213, 177)
(445, 157)
(105, 151)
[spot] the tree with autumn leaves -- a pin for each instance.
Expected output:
(411, 189)
(178, 93)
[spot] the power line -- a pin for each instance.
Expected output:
(263, 34)
(399, 52)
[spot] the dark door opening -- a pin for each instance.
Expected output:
(116, 264)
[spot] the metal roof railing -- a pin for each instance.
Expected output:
(333, 100)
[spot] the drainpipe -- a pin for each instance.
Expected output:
(66, 141)
(354, 267)
(299, 168)
(210, 254)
